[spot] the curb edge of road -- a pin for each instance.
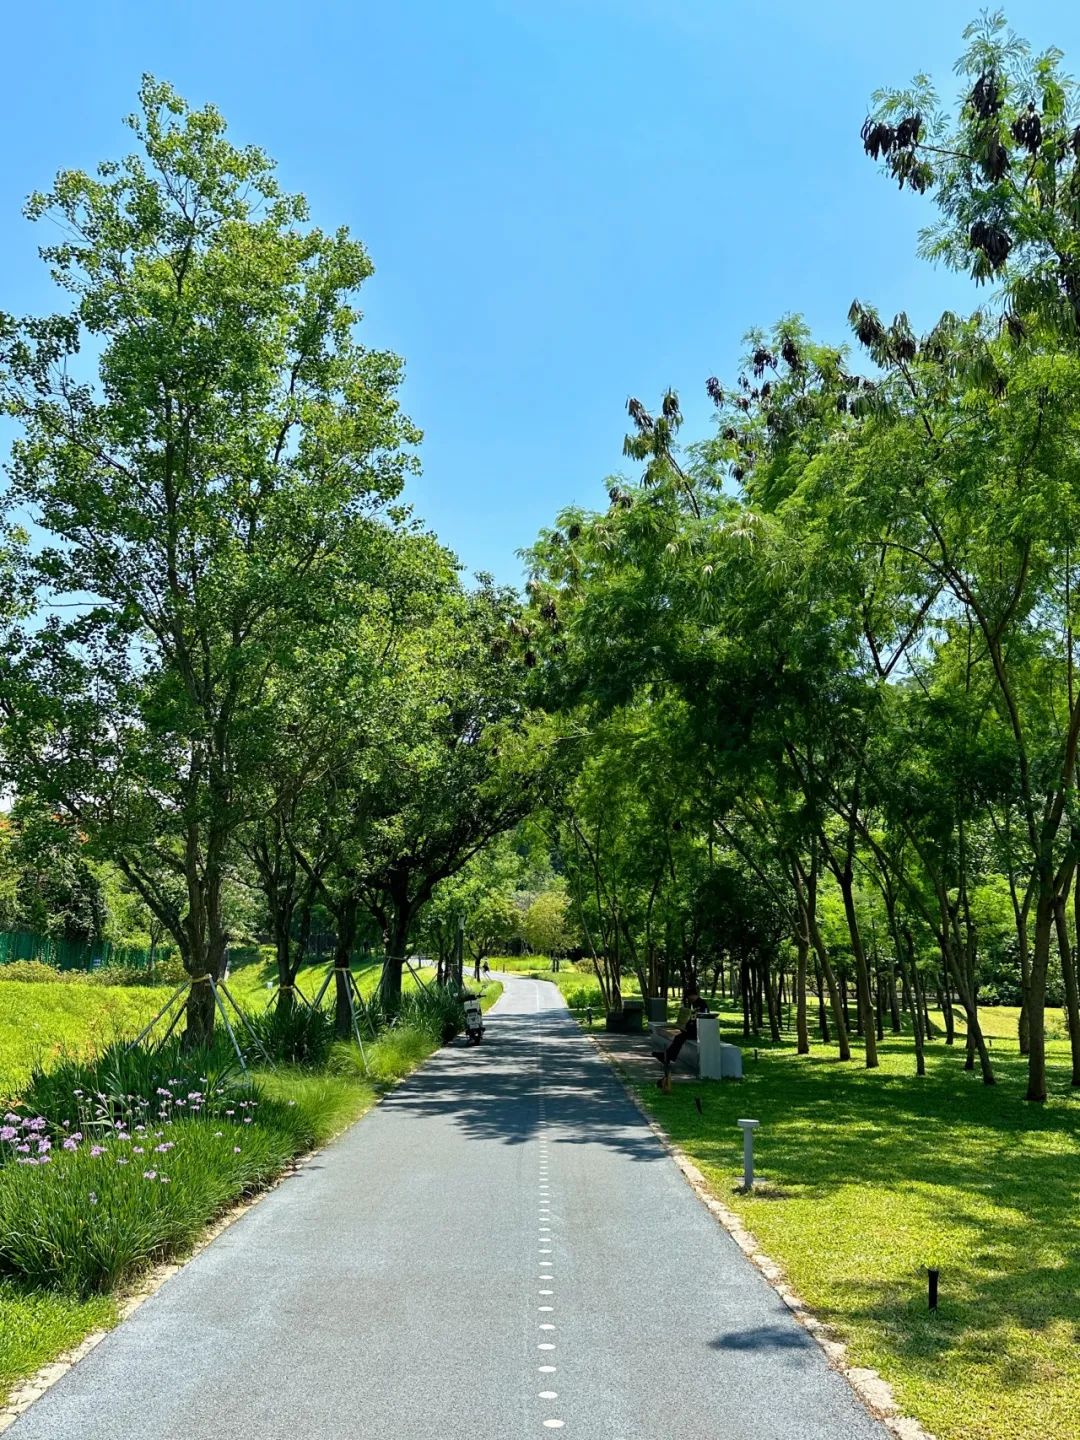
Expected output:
(875, 1393)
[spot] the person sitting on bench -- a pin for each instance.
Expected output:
(693, 1007)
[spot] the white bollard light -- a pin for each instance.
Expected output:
(748, 1127)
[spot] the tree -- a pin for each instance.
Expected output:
(199, 490)
(461, 769)
(1005, 174)
(546, 925)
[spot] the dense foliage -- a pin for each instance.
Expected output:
(237, 677)
(815, 675)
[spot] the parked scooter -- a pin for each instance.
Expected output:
(474, 1020)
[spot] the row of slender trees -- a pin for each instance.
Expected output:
(815, 676)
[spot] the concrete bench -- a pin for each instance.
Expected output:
(709, 1056)
(661, 1036)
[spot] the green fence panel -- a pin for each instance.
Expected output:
(76, 954)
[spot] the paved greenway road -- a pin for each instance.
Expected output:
(500, 1250)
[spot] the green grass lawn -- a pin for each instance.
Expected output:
(42, 1020)
(253, 984)
(873, 1176)
(37, 1326)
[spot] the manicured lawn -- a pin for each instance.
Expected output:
(873, 1176)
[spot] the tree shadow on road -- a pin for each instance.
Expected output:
(763, 1337)
(493, 1093)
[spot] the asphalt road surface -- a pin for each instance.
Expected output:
(501, 1249)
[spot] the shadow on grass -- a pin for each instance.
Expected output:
(942, 1171)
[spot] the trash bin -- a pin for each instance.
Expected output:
(630, 1020)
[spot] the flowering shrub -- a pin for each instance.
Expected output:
(120, 1081)
(108, 1164)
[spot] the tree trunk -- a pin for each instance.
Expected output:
(862, 974)
(286, 999)
(807, 897)
(945, 1001)
(1036, 997)
(823, 1019)
(894, 1000)
(968, 998)
(397, 940)
(834, 989)
(1072, 991)
(205, 955)
(344, 942)
(772, 1001)
(909, 980)
(920, 988)
(1023, 1027)
(802, 944)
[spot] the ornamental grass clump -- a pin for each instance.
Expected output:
(111, 1164)
(297, 1036)
(84, 1217)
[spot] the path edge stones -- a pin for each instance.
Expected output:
(873, 1391)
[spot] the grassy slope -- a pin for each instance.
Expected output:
(873, 1176)
(40, 1021)
(253, 984)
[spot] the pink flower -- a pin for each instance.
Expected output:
(149, 1174)
(236, 1149)
(96, 1150)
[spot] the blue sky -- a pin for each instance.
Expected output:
(566, 203)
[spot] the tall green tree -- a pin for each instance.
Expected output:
(201, 431)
